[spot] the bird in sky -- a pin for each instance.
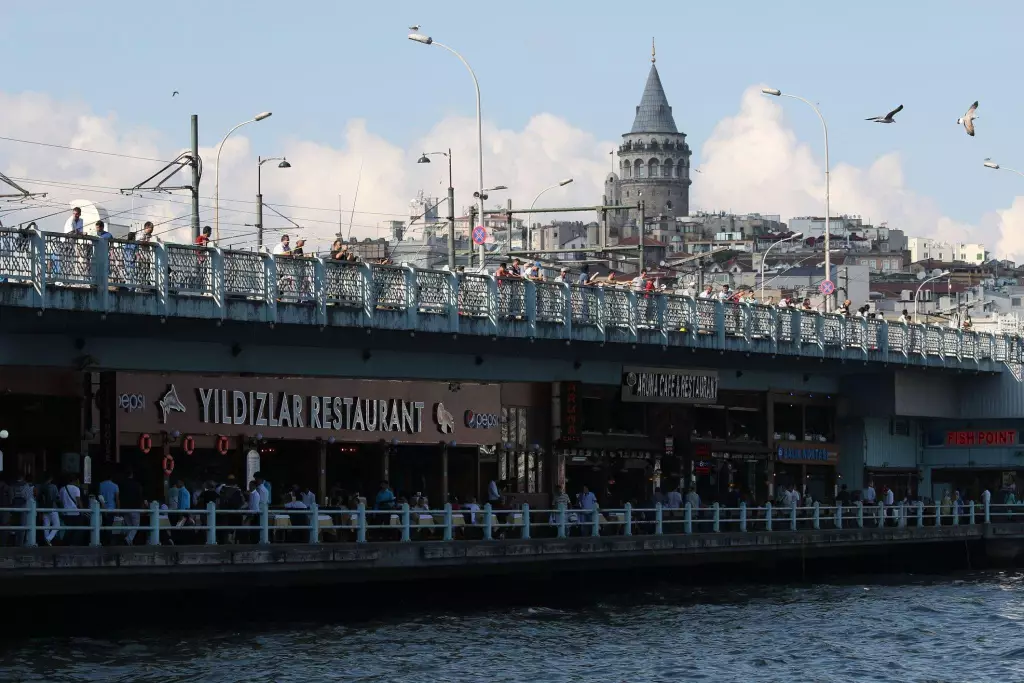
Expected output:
(967, 120)
(174, 93)
(888, 117)
(414, 27)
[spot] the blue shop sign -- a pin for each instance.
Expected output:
(806, 454)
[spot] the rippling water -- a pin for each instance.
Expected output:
(950, 629)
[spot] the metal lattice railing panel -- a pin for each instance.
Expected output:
(785, 325)
(433, 291)
(932, 341)
(585, 307)
(511, 297)
(550, 302)
(189, 270)
(735, 319)
(390, 291)
(760, 322)
(951, 343)
(647, 311)
(344, 284)
(854, 330)
(679, 313)
(244, 274)
(899, 337)
(969, 347)
(474, 296)
(871, 340)
(916, 341)
(17, 260)
(617, 309)
(296, 276)
(706, 309)
(69, 259)
(132, 264)
(808, 328)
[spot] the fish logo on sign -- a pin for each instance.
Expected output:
(445, 421)
(170, 402)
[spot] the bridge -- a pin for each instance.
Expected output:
(82, 274)
(338, 546)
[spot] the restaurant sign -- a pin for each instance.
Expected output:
(807, 455)
(982, 437)
(663, 385)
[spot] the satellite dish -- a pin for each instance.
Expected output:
(921, 275)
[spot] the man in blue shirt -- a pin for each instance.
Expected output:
(385, 498)
(101, 231)
(111, 494)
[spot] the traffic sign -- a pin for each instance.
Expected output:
(479, 234)
(827, 287)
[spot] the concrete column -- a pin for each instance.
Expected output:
(444, 473)
(321, 491)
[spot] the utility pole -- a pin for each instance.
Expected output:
(472, 222)
(640, 240)
(451, 215)
(195, 177)
(259, 204)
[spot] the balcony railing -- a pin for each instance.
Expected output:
(69, 272)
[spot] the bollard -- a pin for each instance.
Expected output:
(743, 516)
(32, 517)
(716, 511)
(860, 514)
(211, 524)
(488, 523)
(768, 516)
(361, 518)
(817, 515)
(659, 524)
(314, 524)
(154, 523)
(264, 524)
(447, 521)
(688, 520)
(920, 514)
(406, 535)
(792, 516)
(95, 523)
(526, 520)
(970, 513)
(561, 520)
(595, 520)
(628, 531)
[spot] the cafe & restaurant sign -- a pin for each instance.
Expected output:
(669, 385)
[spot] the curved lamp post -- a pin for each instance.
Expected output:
(427, 40)
(216, 181)
(794, 236)
(529, 228)
(828, 262)
(425, 159)
(993, 165)
(259, 195)
(917, 294)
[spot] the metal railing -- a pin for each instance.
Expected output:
(96, 526)
(151, 275)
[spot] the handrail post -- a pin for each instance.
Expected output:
(95, 523)
(361, 531)
(839, 514)
(406, 534)
(154, 523)
(716, 511)
(860, 514)
(817, 515)
(970, 513)
(561, 520)
(211, 524)
(314, 524)
(792, 516)
(881, 514)
(264, 524)
(658, 520)
(987, 496)
(628, 531)
(595, 521)
(956, 514)
(767, 516)
(526, 521)
(903, 514)
(447, 521)
(31, 521)
(743, 516)
(688, 520)
(920, 514)
(938, 514)
(488, 523)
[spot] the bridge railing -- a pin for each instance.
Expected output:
(29, 526)
(119, 274)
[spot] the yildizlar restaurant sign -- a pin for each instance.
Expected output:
(663, 385)
(299, 408)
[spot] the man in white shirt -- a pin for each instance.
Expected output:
(75, 225)
(674, 499)
(693, 500)
(869, 494)
(283, 248)
(563, 276)
(71, 500)
(493, 493)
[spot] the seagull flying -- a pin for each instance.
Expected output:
(174, 93)
(967, 120)
(888, 117)
(414, 27)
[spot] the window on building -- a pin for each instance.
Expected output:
(653, 168)
(789, 420)
(709, 422)
(1015, 302)
(819, 421)
(666, 169)
(640, 170)
(518, 464)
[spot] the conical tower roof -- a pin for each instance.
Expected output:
(654, 115)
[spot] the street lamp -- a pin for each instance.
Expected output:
(923, 283)
(216, 182)
(427, 40)
(764, 257)
(259, 195)
(425, 159)
(828, 263)
(529, 228)
(993, 165)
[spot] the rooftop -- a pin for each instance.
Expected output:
(654, 115)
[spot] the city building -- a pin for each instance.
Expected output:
(926, 248)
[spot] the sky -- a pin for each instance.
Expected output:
(354, 101)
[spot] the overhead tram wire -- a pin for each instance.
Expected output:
(81, 149)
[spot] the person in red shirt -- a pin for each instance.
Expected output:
(203, 238)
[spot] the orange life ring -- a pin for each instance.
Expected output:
(223, 444)
(168, 465)
(188, 445)
(145, 443)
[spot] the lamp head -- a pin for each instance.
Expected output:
(264, 115)
(284, 164)
(499, 187)
(796, 236)
(565, 182)
(424, 159)
(991, 164)
(420, 38)
(771, 91)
